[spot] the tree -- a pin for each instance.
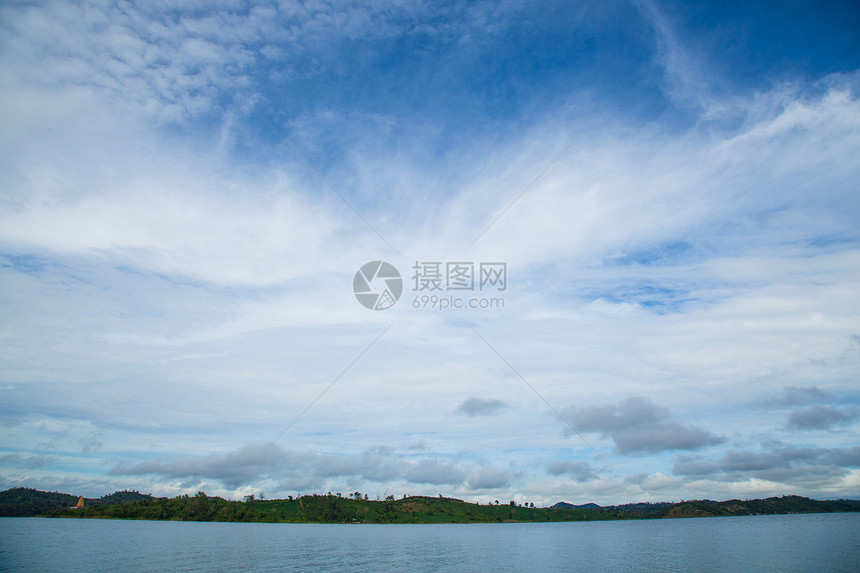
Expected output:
(513, 503)
(249, 498)
(497, 502)
(389, 498)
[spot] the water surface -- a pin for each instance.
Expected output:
(817, 542)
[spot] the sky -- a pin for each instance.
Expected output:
(624, 233)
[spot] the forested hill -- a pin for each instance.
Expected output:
(328, 509)
(707, 508)
(357, 509)
(22, 501)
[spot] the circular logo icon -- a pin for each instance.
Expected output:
(377, 285)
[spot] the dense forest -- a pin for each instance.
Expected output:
(358, 509)
(22, 501)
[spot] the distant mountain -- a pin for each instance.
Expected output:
(708, 508)
(770, 506)
(23, 502)
(565, 505)
(644, 509)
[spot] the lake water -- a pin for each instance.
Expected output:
(818, 542)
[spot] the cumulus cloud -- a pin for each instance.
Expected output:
(236, 468)
(254, 462)
(488, 477)
(797, 396)
(480, 406)
(578, 471)
(784, 464)
(436, 472)
(653, 482)
(637, 425)
(820, 418)
(815, 415)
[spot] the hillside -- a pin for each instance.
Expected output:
(416, 509)
(23, 502)
(565, 505)
(769, 506)
(708, 508)
(328, 509)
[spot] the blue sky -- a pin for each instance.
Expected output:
(190, 188)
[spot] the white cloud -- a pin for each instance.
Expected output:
(489, 478)
(820, 418)
(480, 406)
(171, 279)
(579, 471)
(637, 425)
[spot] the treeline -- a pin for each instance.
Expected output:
(359, 509)
(326, 509)
(770, 506)
(707, 508)
(24, 502)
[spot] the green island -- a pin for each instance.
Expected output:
(357, 508)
